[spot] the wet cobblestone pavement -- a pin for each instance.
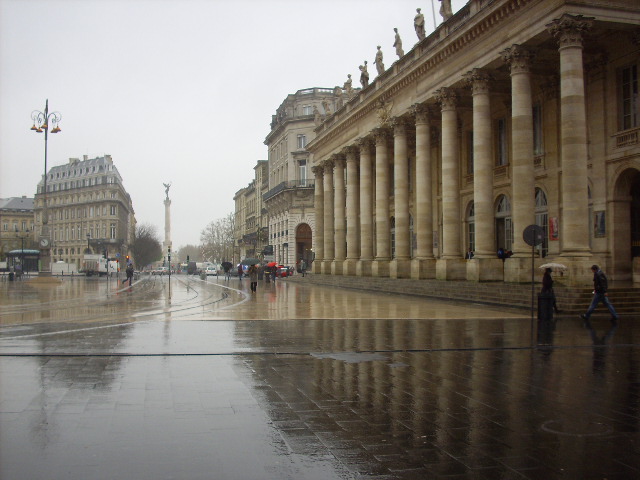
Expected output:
(205, 380)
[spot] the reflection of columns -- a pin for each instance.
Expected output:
(366, 208)
(382, 203)
(450, 241)
(482, 165)
(329, 240)
(339, 215)
(353, 244)
(522, 184)
(569, 30)
(318, 204)
(401, 265)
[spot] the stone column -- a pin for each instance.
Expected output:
(329, 225)
(401, 265)
(574, 225)
(353, 243)
(366, 209)
(318, 207)
(167, 226)
(484, 265)
(522, 172)
(380, 267)
(423, 265)
(450, 266)
(339, 215)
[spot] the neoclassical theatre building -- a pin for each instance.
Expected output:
(511, 113)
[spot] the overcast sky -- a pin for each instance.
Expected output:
(178, 91)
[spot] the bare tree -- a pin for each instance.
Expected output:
(146, 245)
(217, 239)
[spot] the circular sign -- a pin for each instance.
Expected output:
(533, 235)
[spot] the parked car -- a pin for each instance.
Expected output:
(211, 271)
(160, 271)
(282, 271)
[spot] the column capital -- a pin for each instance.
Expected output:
(350, 152)
(518, 58)
(422, 112)
(328, 166)
(318, 170)
(478, 80)
(399, 125)
(364, 143)
(338, 160)
(447, 98)
(380, 134)
(569, 30)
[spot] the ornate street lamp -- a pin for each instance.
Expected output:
(22, 236)
(41, 123)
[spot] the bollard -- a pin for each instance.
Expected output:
(545, 307)
(11, 276)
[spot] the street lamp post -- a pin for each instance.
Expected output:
(41, 123)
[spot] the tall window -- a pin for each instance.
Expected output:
(537, 129)
(307, 110)
(302, 141)
(501, 147)
(471, 227)
(542, 220)
(470, 152)
(629, 97)
(112, 231)
(393, 237)
(302, 172)
(504, 226)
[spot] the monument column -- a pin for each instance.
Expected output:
(423, 265)
(380, 266)
(353, 243)
(366, 209)
(167, 221)
(401, 265)
(318, 205)
(569, 31)
(484, 265)
(339, 216)
(329, 228)
(450, 266)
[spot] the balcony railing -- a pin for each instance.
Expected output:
(290, 185)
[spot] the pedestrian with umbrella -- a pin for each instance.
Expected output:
(226, 266)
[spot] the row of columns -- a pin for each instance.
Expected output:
(344, 245)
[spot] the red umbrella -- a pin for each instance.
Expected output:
(272, 264)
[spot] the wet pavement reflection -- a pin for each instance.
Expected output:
(204, 379)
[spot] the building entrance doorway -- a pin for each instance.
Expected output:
(303, 245)
(625, 226)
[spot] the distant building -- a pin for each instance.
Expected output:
(289, 200)
(16, 225)
(89, 210)
(250, 226)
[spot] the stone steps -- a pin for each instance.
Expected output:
(626, 299)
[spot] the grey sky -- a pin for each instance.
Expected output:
(179, 91)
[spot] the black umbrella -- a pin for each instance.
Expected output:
(227, 265)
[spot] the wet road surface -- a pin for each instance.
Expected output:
(204, 379)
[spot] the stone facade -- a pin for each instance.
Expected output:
(511, 113)
(16, 225)
(88, 208)
(289, 203)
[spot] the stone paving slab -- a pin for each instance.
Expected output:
(300, 383)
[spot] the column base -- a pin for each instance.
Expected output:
(336, 267)
(400, 268)
(326, 267)
(485, 270)
(363, 268)
(380, 268)
(451, 269)
(423, 268)
(316, 267)
(349, 266)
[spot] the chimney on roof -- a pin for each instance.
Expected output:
(85, 157)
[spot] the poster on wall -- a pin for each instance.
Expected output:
(599, 224)
(554, 233)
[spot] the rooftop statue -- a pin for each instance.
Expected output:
(364, 75)
(317, 118)
(445, 10)
(348, 86)
(418, 23)
(378, 61)
(325, 105)
(166, 188)
(337, 92)
(398, 44)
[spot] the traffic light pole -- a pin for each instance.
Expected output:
(169, 258)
